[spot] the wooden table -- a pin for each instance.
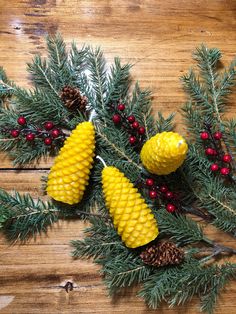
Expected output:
(158, 37)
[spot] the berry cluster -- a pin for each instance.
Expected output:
(47, 133)
(136, 132)
(221, 161)
(162, 192)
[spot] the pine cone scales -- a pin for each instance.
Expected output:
(69, 175)
(73, 99)
(164, 153)
(162, 254)
(131, 216)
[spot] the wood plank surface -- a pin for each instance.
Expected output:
(158, 37)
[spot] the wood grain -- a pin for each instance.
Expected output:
(158, 37)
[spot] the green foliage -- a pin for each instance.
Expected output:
(6, 86)
(177, 285)
(24, 217)
(208, 92)
(179, 228)
(200, 190)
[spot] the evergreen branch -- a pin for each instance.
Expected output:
(226, 82)
(41, 74)
(165, 125)
(119, 150)
(180, 228)
(96, 66)
(177, 285)
(58, 60)
(6, 86)
(118, 82)
(196, 90)
(24, 217)
(218, 283)
(207, 61)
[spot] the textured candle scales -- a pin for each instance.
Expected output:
(69, 175)
(131, 216)
(164, 153)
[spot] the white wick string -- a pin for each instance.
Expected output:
(92, 115)
(103, 162)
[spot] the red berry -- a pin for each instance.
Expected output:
(131, 119)
(149, 182)
(55, 133)
(21, 120)
(204, 136)
(227, 158)
(47, 141)
(170, 208)
(210, 151)
(135, 124)
(163, 189)
(30, 137)
(169, 194)
(214, 167)
(217, 135)
(121, 107)
(116, 118)
(225, 171)
(132, 140)
(141, 130)
(48, 125)
(152, 194)
(15, 133)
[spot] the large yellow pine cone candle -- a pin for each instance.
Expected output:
(132, 218)
(164, 153)
(69, 175)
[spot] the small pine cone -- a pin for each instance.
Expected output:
(73, 99)
(162, 254)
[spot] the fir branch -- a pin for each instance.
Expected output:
(140, 107)
(119, 147)
(101, 239)
(226, 273)
(118, 82)
(58, 60)
(96, 66)
(207, 61)
(181, 229)
(225, 83)
(41, 74)
(6, 86)
(165, 125)
(196, 90)
(124, 270)
(24, 217)
(177, 285)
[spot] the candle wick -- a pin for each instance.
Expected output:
(180, 143)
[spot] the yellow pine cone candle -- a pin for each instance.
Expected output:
(164, 153)
(131, 216)
(69, 175)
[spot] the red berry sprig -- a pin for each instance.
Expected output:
(214, 144)
(48, 133)
(130, 124)
(162, 192)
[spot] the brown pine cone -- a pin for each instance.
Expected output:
(162, 254)
(73, 99)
